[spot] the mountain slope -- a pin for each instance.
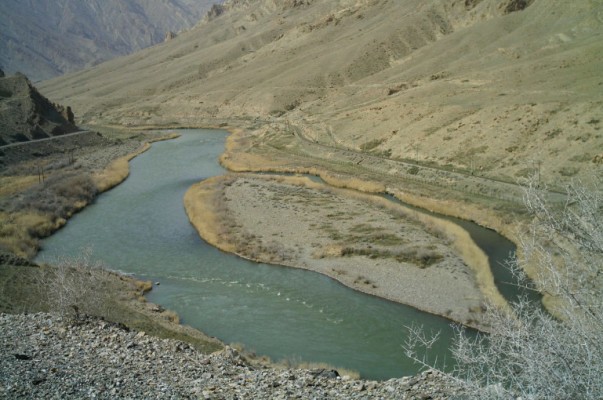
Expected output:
(43, 38)
(499, 87)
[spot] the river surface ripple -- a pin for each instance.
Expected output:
(140, 227)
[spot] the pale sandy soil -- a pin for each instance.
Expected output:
(476, 86)
(364, 242)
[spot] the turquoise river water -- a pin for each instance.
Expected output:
(140, 227)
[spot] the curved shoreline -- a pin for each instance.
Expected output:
(119, 169)
(131, 307)
(433, 290)
(238, 158)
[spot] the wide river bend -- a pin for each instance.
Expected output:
(140, 228)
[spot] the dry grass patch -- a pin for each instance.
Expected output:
(14, 184)
(20, 232)
(42, 209)
(202, 202)
(117, 171)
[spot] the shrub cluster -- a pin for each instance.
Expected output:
(531, 353)
(60, 195)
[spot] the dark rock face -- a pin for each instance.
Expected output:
(516, 5)
(215, 11)
(27, 115)
(169, 35)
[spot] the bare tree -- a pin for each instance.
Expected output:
(73, 286)
(533, 353)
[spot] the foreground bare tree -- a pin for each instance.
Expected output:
(73, 287)
(534, 354)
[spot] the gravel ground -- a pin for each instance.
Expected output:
(42, 357)
(371, 246)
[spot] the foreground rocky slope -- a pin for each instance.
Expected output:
(41, 357)
(45, 38)
(500, 88)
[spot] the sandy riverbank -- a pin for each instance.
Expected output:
(363, 241)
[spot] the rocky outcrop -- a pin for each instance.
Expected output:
(214, 12)
(169, 35)
(67, 113)
(41, 357)
(515, 5)
(27, 115)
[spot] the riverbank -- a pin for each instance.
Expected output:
(363, 241)
(43, 185)
(41, 357)
(276, 148)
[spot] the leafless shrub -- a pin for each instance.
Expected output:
(59, 195)
(74, 286)
(531, 353)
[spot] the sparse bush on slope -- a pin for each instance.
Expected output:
(73, 287)
(533, 354)
(60, 195)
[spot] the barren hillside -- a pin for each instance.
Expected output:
(501, 88)
(43, 38)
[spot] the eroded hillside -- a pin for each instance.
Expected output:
(43, 39)
(499, 88)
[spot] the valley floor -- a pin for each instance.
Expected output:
(283, 220)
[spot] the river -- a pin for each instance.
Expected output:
(140, 228)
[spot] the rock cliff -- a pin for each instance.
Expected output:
(27, 115)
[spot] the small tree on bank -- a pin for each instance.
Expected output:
(532, 354)
(74, 287)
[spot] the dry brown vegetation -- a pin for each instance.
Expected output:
(42, 193)
(41, 209)
(531, 353)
